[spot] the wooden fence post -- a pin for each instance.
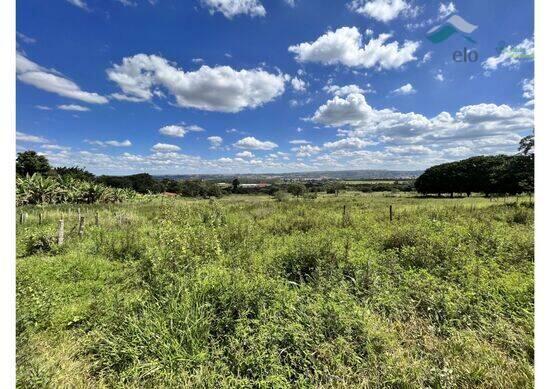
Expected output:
(345, 217)
(61, 232)
(97, 219)
(40, 218)
(81, 226)
(391, 213)
(21, 217)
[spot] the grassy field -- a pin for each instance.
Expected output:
(249, 292)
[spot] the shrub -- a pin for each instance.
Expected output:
(520, 215)
(280, 195)
(41, 243)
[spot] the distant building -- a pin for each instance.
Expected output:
(259, 185)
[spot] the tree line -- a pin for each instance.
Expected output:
(499, 174)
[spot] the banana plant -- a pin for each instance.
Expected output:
(38, 189)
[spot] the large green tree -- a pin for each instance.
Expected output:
(527, 145)
(484, 174)
(30, 162)
(297, 189)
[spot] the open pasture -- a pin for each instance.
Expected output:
(246, 291)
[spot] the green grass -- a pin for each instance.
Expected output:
(249, 292)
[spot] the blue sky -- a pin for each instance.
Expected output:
(234, 86)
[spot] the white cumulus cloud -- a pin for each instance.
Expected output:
(381, 10)
(73, 107)
(345, 90)
(220, 88)
(299, 142)
(406, 89)
(23, 137)
(52, 81)
(252, 143)
(528, 87)
(348, 144)
(345, 46)
(446, 10)
(232, 8)
(114, 143)
(215, 141)
(179, 131)
(80, 4)
(304, 151)
(245, 154)
(473, 123)
(165, 148)
(173, 130)
(298, 85)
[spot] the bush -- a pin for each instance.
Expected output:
(520, 215)
(41, 243)
(280, 195)
(310, 195)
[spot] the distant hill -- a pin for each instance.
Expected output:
(304, 176)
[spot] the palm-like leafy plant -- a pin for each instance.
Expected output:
(37, 189)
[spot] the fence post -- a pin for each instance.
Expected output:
(61, 232)
(40, 218)
(391, 213)
(21, 217)
(79, 214)
(345, 217)
(97, 219)
(81, 226)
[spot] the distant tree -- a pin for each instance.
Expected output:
(30, 162)
(169, 185)
(75, 172)
(335, 187)
(297, 189)
(213, 190)
(116, 181)
(144, 182)
(141, 183)
(236, 184)
(199, 188)
(280, 195)
(527, 145)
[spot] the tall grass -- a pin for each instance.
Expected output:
(262, 293)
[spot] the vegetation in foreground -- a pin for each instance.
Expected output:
(254, 292)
